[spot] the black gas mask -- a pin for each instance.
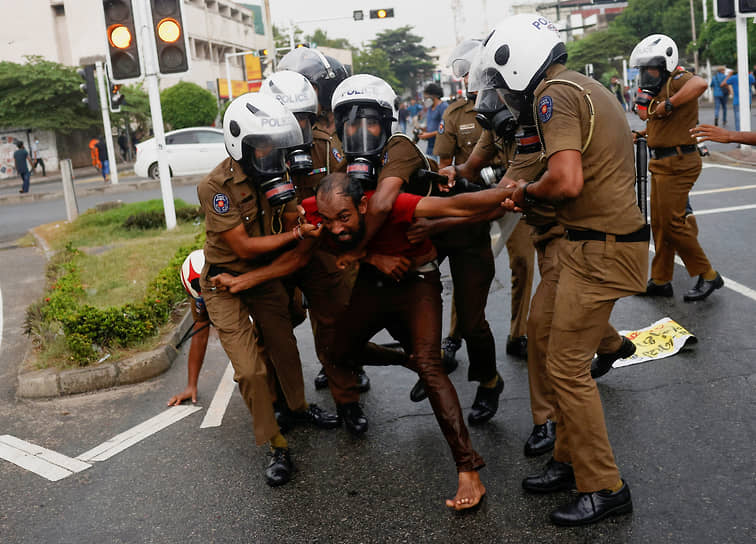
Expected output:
(266, 165)
(299, 158)
(652, 83)
(493, 114)
(363, 137)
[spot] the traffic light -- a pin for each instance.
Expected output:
(381, 13)
(747, 6)
(170, 37)
(358, 15)
(724, 10)
(123, 53)
(262, 52)
(116, 98)
(89, 87)
(301, 45)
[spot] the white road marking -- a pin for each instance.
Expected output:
(120, 442)
(723, 190)
(724, 210)
(46, 463)
(726, 167)
(214, 415)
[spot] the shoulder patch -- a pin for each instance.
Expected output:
(336, 154)
(545, 108)
(441, 127)
(220, 203)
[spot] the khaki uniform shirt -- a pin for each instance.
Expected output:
(494, 149)
(673, 130)
(327, 157)
(228, 198)
(458, 132)
(607, 202)
(401, 159)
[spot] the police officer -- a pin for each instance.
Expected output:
(250, 215)
(590, 170)
(324, 74)
(470, 257)
(668, 101)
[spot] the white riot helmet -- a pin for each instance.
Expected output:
(294, 91)
(258, 130)
(462, 56)
(659, 54)
(656, 50)
(364, 107)
(191, 271)
(518, 51)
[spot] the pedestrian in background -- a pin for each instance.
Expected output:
(616, 88)
(403, 117)
(21, 156)
(436, 107)
(36, 157)
(732, 82)
(720, 95)
(102, 155)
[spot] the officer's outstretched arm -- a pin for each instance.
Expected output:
(562, 179)
(462, 205)
(249, 247)
(283, 265)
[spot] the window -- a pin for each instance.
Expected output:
(180, 138)
(209, 137)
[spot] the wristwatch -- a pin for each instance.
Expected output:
(528, 200)
(668, 105)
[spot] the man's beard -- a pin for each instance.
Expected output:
(348, 245)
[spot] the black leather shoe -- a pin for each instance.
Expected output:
(541, 439)
(518, 346)
(592, 507)
(554, 477)
(657, 290)
(363, 382)
(321, 380)
(281, 412)
(317, 416)
(449, 347)
(602, 363)
(418, 392)
(280, 467)
(354, 418)
(703, 288)
(486, 403)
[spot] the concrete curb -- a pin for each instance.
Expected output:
(81, 192)
(55, 383)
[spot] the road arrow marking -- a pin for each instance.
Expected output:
(214, 415)
(120, 442)
(46, 463)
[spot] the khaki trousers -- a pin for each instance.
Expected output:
(521, 262)
(593, 276)
(671, 180)
(268, 305)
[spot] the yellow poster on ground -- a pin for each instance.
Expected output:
(662, 339)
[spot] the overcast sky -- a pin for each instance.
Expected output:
(433, 20)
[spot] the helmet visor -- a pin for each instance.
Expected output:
(265, 154)
(519, 104)
(363, 136)
(305, 123)
(463, 55)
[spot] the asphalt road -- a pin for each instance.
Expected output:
(682, 429)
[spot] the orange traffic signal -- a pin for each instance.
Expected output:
(123, 51)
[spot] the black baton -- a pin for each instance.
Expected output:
(641, 175)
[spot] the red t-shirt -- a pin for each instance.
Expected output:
(391, 238)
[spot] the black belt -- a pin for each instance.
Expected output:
(662, 152)
(643, 234)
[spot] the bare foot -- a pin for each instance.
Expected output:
(469, 492)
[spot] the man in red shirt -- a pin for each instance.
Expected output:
(398, 288)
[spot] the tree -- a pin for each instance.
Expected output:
(188, 105)
(135, 109)
(375, 62)
(43, 95)
(599, 49)
(281, 37)
(717, 43)
(320, 37)
(405, 54)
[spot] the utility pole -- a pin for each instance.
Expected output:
(693, 32)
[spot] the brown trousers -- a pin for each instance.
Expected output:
(593, 276)
(411, 312)
(328, 290)
(521, 262)
(671, 180)
(268, 305)
(472, 272)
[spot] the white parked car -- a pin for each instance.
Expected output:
(191, 151)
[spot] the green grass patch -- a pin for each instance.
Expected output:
(115, 294)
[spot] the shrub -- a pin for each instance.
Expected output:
(156, 219)
(188, 105)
